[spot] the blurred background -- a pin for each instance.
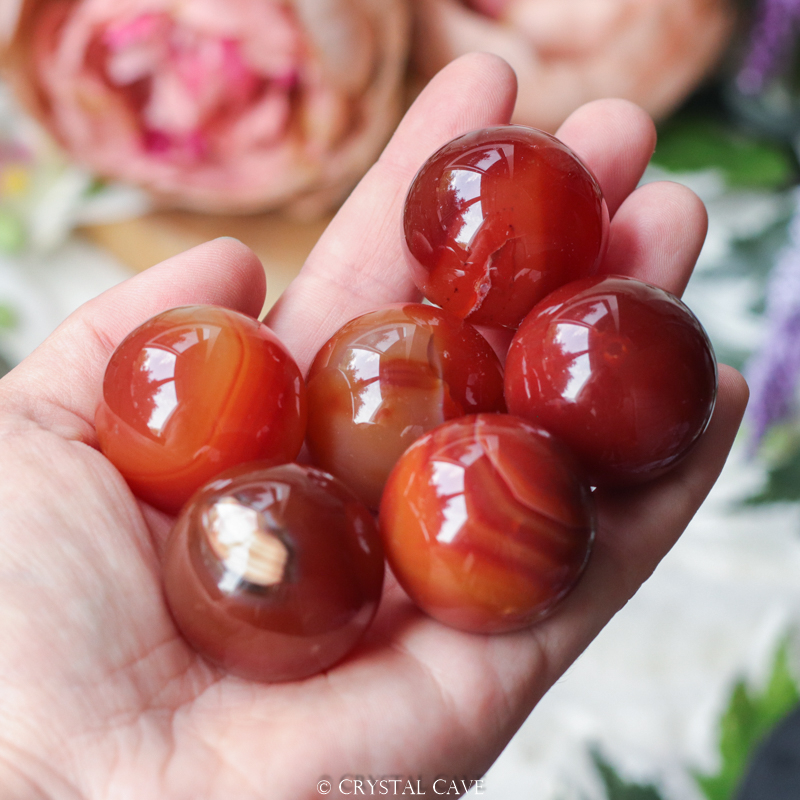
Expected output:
(130, 131)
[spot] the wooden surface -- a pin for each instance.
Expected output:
(282, 244)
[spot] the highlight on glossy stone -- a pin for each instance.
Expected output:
(487, 523)
(273, 573)
(193, 391)
(500, 217)
(621, 371)
(387, 377)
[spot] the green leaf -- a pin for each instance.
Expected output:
(780, 451)
(783, 484)
(748, 718)
(692, 142)
(96, 186)
(12, 232)
(8, 317)
(619, 789)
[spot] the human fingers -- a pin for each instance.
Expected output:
(615, 139)
(358, 263)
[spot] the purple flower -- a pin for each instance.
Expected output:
(773, 371)
(774, 29)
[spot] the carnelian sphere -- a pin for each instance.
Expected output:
(387, 377)
(620, 371)
(499, 218)
(487, 522)
(193, 391)
(274, 573)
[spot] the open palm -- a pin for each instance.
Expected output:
(99, 695)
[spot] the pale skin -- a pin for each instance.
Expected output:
(100, 698)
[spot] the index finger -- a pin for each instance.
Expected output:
(358, 263)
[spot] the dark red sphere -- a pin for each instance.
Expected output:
(620, 371)
(273, 573)
(193, 391)
(387, 377)
(500, 217)
(487, 522)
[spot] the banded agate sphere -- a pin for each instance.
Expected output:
(193, 391)
(273, 573)
(621, 371)
(387, 377)
(497, 219)
(487, 523)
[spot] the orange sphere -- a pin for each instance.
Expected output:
(274, 573)
(193, 391)
(497, 219)
(487, 523)
(387, 377)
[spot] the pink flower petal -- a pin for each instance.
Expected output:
(128, 33)
(219, 104)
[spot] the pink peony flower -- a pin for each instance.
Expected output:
(217, 105)
(567, 52)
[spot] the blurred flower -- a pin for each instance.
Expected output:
(42, 195)
(765, 93)
(231, 105)
(567, 52)
(774, 370)
(775, 27)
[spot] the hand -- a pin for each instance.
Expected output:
(99, 695)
